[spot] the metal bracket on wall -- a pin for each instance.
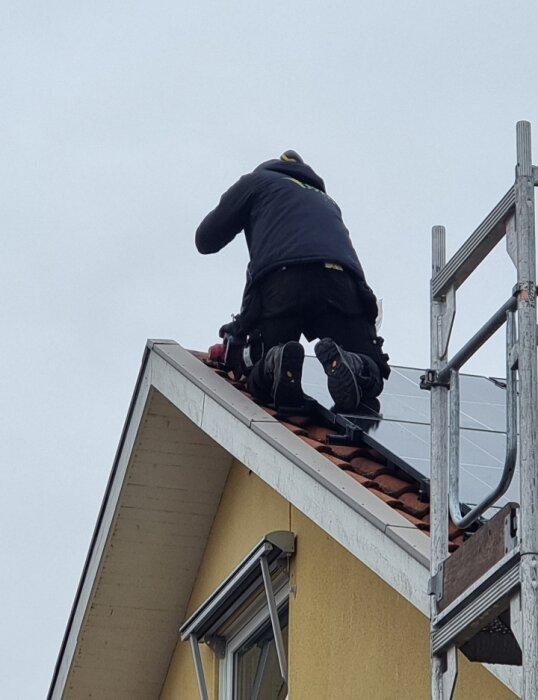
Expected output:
(217, 645)
(435, 583)
(510, 531)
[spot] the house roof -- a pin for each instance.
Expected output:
(185, 426)
(366, 465)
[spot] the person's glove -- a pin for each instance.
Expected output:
(232, 328)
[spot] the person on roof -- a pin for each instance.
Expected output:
(304, 276)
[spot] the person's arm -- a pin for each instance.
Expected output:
(228, 218)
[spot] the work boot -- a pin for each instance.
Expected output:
(345, 371)
(283, 368)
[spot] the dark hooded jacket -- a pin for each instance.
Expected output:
(288, 219)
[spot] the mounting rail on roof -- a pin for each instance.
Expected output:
(493, 615)
(360, 430)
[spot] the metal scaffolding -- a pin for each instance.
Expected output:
(484, 601)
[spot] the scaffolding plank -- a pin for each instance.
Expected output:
(479, 613)
(476, 556)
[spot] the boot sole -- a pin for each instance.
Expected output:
(341, 381)
(288, 392)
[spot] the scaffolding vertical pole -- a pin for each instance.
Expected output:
(442, 314)
(528, 396)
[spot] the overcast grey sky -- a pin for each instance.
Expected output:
(121, 123)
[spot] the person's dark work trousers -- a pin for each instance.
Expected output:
(318, 302)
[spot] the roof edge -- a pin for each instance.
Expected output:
(100, 517)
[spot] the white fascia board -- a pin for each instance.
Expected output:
(213, 386)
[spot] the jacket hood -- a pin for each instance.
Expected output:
(300, 171)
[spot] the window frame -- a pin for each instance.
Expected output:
(253, 581)
(254, 618)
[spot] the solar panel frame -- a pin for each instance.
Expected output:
(402, 431)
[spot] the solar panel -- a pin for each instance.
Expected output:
(403, 432)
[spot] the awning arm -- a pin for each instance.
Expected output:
(275, 622)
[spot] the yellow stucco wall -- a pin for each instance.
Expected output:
(351, 635)
(248, 510)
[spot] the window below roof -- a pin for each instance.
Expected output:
(256, 671)
(245, 623)
(250, 669)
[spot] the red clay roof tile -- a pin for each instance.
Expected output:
(342, 463)
(412, 504)
(294, 428)
(364, 464)
(376, 456)
(452, 546)
(320, 432)
(393, 485)
(416, 521)
(368, 483)
(222, 373)
(300, 421)
(347, 452)
(453, 532)
(368, 467)
(389, 500)
(316, 444)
